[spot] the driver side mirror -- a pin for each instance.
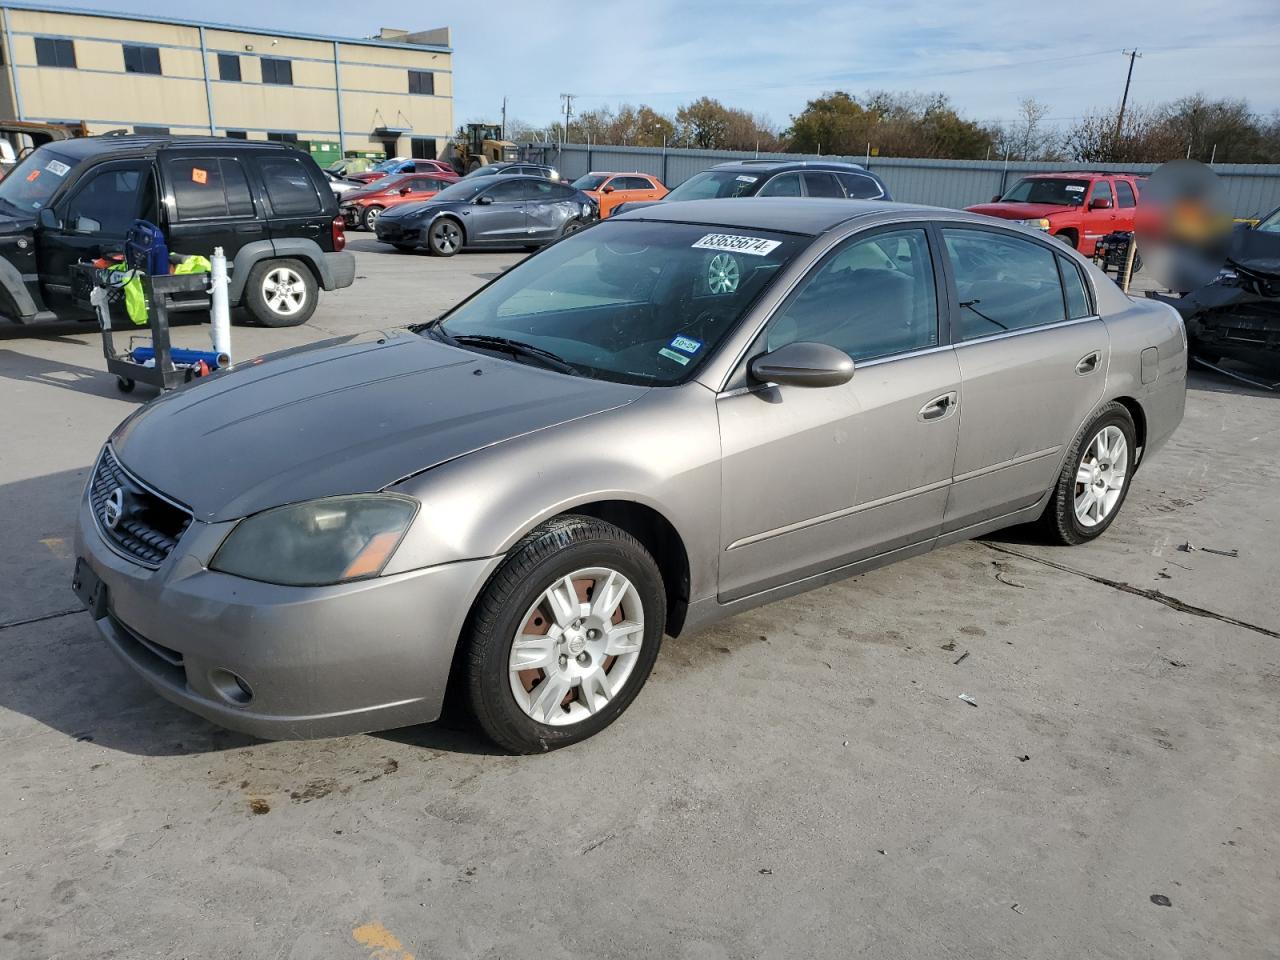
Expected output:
(803, 364)
(1102, 204)
(607, 189)
(403, 191)
(49, 220)
(996, 198)
(484, 199)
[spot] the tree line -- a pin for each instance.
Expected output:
(927, 125)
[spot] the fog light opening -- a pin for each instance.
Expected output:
(232, 688)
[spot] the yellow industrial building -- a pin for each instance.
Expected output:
(392, 93)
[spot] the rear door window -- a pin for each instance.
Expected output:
(209, 187)
(1124, 194)
(1073, 290)
(1003, 282)
(289, 186)
(818, 184)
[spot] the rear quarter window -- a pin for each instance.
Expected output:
(208, 187)
(289, 186)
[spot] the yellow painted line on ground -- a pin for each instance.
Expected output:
(380, 942)
(58, 547)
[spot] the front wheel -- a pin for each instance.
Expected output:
(369, 218)
(564, 635)
(444, 238)
(1094, 480)
(573, 226)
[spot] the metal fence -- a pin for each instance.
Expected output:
(1252, 189)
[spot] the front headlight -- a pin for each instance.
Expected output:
(1041, 224)
(320, 542)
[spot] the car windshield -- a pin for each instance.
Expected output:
(484, 172)
(630, 301)
(1270, 223)
(1060, 193)
(462, 190)
(716, 183)
(29, 185)
(591, 181)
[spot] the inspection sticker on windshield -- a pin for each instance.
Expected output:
(57, 167)
(1075, 188)
(687, 344)
(755, 246)
(672, 355)
(745, 178)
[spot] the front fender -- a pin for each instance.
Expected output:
(662, 451)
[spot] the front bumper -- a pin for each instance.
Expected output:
(315, 661)
(396, 231)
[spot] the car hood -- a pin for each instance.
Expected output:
(1019, 211)
(412, 209)
(352, 415)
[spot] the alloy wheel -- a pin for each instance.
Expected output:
(722, 274)
(446, 237)
(577, 646)
(284, 291)
(1100, 476)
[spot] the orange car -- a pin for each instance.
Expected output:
(609, 190)
(360, 208)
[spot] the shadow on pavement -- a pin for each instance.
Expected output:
(25, 368)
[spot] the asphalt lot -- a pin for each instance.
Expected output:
(801, 781)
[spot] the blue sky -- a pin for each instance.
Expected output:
(770, 56)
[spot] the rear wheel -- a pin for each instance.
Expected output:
(1094, 480)
(444, 238)
(281, 293)
(564, 635)
(370, 216)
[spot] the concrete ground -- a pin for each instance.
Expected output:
(801, 781)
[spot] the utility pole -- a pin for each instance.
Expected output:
(568, 112)
(504, 118)
(1124, 100)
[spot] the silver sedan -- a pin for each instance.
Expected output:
(679, 414)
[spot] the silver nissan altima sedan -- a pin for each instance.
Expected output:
(683, 412)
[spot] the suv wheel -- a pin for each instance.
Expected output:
(281, 293)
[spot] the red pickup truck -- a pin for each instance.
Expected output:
(1078, 208)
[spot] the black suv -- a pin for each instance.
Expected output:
(777, 178)
(516, 168)
(266, 204)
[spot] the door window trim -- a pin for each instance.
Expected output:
(953, 294)
(737, 381)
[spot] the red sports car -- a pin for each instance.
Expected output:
(361, 208)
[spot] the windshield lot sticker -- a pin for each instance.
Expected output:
(57, 167)
(1075, 188)
(672, 355)
(687, 344)
(755, 246)
(33, 176)
(746, 179)
(199, 176)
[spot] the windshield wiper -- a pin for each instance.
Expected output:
(516, 348)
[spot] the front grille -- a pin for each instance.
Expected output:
(138, 522)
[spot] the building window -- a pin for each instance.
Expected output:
(141, 59)
(277, 71)
(423, 148)
(151, 131)
(236, 134)
(55, 53)
(229, 67)
(280, 136)
(422, 82)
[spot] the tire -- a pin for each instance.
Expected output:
(370, 216)
(125, 384)
(1062, 521)
(573, 226)
(567, 654)
(444, 237)
(273, 307)
(1070, 238)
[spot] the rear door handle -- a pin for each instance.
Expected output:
(1089, 363)
(939, 407)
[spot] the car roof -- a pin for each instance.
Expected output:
(618, 173)
(774, 166)
(82, 147)
(1074, 175)
(805, 215)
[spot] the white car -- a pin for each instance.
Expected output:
(340, 185)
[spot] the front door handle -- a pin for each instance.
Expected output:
(939, 407)
(1089, 363)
